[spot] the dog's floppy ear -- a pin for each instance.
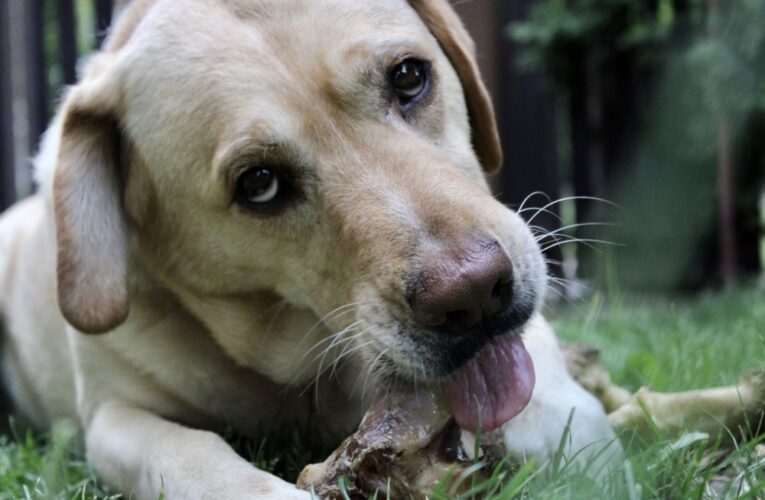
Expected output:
(455, 41)
(90, 227)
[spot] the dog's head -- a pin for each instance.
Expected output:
(267, 160)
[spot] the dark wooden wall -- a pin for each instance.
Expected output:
(524, 105)
(525, 110)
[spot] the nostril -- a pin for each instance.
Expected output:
(503, 290)
(457, 317)
(497, 291)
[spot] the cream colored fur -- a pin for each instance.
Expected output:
(212, 316)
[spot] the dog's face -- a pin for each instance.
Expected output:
(314, 158)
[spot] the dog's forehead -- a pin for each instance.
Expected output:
(338, 10)
(286, 27)
(253, 60)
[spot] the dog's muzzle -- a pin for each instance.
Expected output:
(466, 298)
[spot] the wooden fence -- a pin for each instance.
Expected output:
(25, 97)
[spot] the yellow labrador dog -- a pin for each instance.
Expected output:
(242, 193)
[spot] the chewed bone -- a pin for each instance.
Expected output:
(406, 443)
(733, 411)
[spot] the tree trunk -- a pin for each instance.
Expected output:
(725, 173)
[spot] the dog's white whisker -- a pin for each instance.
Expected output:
(331, 339)
(561, 294)
(344, 309)
(568, 198)
(584, 241)
(339, 341)
(369, 370)
(345, 355)
(322, 356)
(349, 344)
(544, 211)
(279, 308)
(529, 197)
(557, 232)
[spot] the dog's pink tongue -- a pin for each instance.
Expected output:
(493, 387)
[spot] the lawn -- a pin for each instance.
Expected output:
(668, 344)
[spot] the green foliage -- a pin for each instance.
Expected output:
(560, 34)
(693, 70)
(729, 63)
(726, 54)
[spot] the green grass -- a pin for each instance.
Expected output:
(668, 344)
(46, 467)
(673, 344)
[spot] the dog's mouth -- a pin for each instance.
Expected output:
(487, 377)
(483, 368)
(493, 386)
(486, 381)
(491, 376)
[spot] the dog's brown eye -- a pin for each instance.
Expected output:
(409, 79)
(258, 186)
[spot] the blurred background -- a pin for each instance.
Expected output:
(633, 130)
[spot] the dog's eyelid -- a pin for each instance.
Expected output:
(243, 154)
(385, 51)
(404, 55)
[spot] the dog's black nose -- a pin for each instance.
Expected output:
(461, 289)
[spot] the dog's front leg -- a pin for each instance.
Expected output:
(145, 455)
(560, 412)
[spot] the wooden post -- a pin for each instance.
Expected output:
(25, 93)
(725, 189)
(37, 81)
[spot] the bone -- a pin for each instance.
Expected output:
(729, 412)
(407, 442)
(583, 363)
